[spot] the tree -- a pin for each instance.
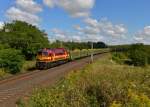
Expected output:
(25, 37)
(138, 55)
(100, 45)
(11, 60)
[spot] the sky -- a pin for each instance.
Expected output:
(110, 21)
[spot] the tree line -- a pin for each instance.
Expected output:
(133, 54)
(77, 45)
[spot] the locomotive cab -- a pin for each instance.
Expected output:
(44, 56)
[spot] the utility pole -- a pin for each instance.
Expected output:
(92, 52)
(61, 44)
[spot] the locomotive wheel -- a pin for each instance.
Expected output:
(46, 66)
(49, 65)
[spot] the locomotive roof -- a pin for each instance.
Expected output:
(50, 49)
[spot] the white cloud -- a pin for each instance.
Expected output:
(105, 27)
(94, 30)
(25, 10)
(101, 30)
(91, 22)
(146, 31)
(138, 39)
(76, 8)
(59, 34)
(110, 29)
(77, 27)
(50, 3)
(143, 36)
(14, 13)
(76, 38)
(29, 6)
(1, 24)
(62, 35)
(93, 38)
(90, 30)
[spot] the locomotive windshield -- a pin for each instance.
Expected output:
(43, 53)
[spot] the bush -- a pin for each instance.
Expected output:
(119, 57)
(138, 55)
(135, 54)
(11, 60)
(147, 48)
(134, 100)
(3, 46)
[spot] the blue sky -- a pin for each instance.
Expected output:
(132, 13)
(111, 21)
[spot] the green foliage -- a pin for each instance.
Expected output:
(4, 46)
(147, 49)
(29, 66)
(20, 103)
(18, 39)
(135, 54)
(2, 73)
(119, 57)
(134, 100)
(57, 98)
(77, 45)
(138, 55)
(24, 37)
(137, 100)
(102, 84)
(11, 60)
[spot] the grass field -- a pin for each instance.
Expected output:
(101, 84)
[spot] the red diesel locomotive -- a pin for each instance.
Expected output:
(48, 57)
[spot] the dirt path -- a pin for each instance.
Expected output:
(20, 86)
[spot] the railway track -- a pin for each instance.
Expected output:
(22, 85)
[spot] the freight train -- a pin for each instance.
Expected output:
(47, 58)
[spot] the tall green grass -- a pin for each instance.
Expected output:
(101, 84)
(29, 66)
(3, 73)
